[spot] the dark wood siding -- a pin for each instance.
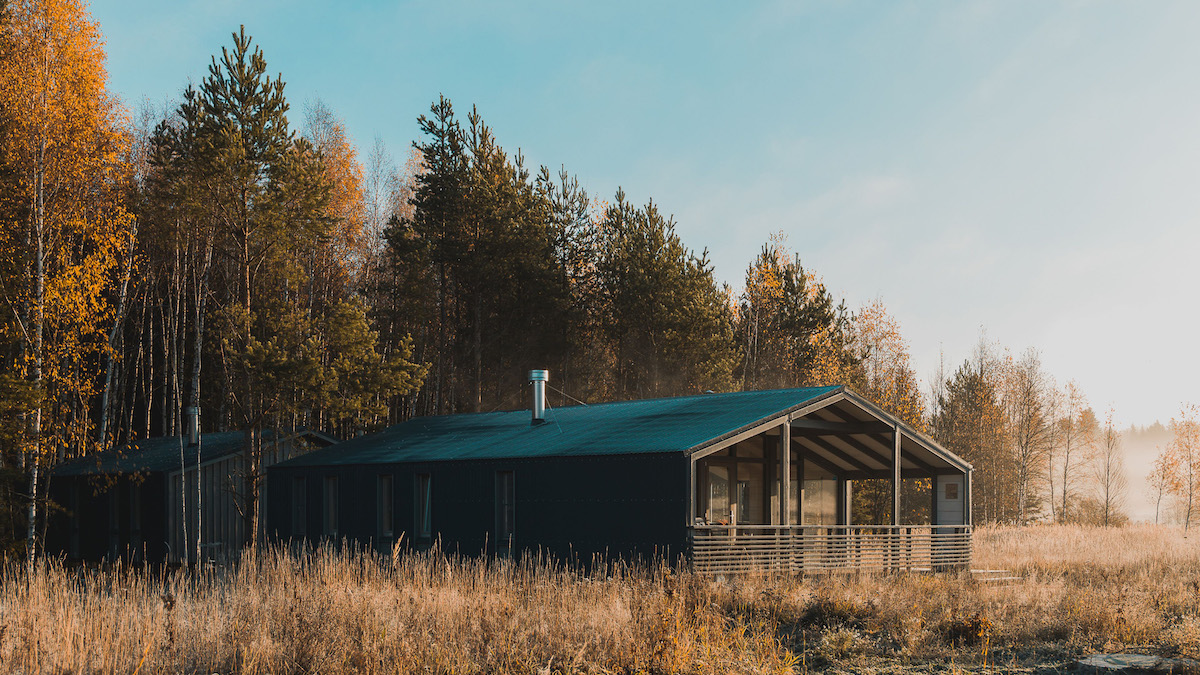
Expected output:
(82, 509)
(616, 506)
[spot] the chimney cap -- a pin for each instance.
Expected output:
(539, 376)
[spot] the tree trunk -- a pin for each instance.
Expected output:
(194, 393)
(441, 355)
(478, 352)
(148, 382)
(113, 334)
(39, 309)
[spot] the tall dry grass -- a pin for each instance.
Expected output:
(1082, 589)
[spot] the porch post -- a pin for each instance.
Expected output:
(692, 492)
(845, 500)
(896, 538)
(968, 516)
(933, 500)
(896, 475)
(785, 473)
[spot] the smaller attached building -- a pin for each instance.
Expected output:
(130, 502)
(739, 481)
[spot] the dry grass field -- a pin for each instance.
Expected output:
(1081, 590)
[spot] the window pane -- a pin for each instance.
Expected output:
(385, 506)
(820, 502)
(718, 495)
(424, 505)
(750, 494)
(331, 506)
(505, 508)
(298, 508)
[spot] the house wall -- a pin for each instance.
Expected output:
(628, 506)
(950, 497)
(222, 501)
(94, 518)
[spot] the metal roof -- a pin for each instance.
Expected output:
(153, 454)
(661, 425)
(161, 454)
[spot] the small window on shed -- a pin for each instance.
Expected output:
(951, 490)
(299, 508)
(424, 510)
(384, 498)
(506, 512)
(135, 517)
(114, 523)
(331, 506)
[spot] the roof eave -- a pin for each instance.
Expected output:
(919, 436)
(815, 403)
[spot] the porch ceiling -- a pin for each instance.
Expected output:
(847, 438)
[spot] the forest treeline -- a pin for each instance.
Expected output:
(215, 257)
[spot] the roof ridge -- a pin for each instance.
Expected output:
(829, 387)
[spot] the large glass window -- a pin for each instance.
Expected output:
(740, 485)
(750, 502)
(820, 502)
(717, 511)
(424, 510)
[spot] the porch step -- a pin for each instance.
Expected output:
(994, 576)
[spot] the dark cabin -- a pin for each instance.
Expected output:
(128, 503)
(702, 477)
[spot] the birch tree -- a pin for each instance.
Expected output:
(1163, 479)
(1030, 431)
(65, 227)
(1077, 435)
(1109, 471)
(1185, 451)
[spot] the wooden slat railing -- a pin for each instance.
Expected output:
(816, 548)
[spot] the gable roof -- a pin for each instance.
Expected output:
(153, 454)
(161, 454)
(663, 425)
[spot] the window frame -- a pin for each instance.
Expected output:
(299, 506)
(423, 506)
(330, 511)
(385, 506)
(506, 510)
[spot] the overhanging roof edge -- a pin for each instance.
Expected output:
(918, 436)
(817, 402)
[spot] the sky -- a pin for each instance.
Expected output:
(1021, 170)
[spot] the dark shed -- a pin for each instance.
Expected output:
(130, 502)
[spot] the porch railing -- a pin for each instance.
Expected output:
(818, 548)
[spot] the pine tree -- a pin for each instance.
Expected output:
(782, 315)
(669, 325)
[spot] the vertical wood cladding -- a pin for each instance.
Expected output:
(626, 506)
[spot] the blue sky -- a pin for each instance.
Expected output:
(1024, 167)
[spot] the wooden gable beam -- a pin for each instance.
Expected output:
(839, 453)
(828, 427)
(815, 457)
(957, 465)
(912, 458)
(884, 438)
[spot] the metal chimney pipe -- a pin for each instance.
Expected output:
(193, 424)
(539, 378)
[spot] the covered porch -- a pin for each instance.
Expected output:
(835, 485)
